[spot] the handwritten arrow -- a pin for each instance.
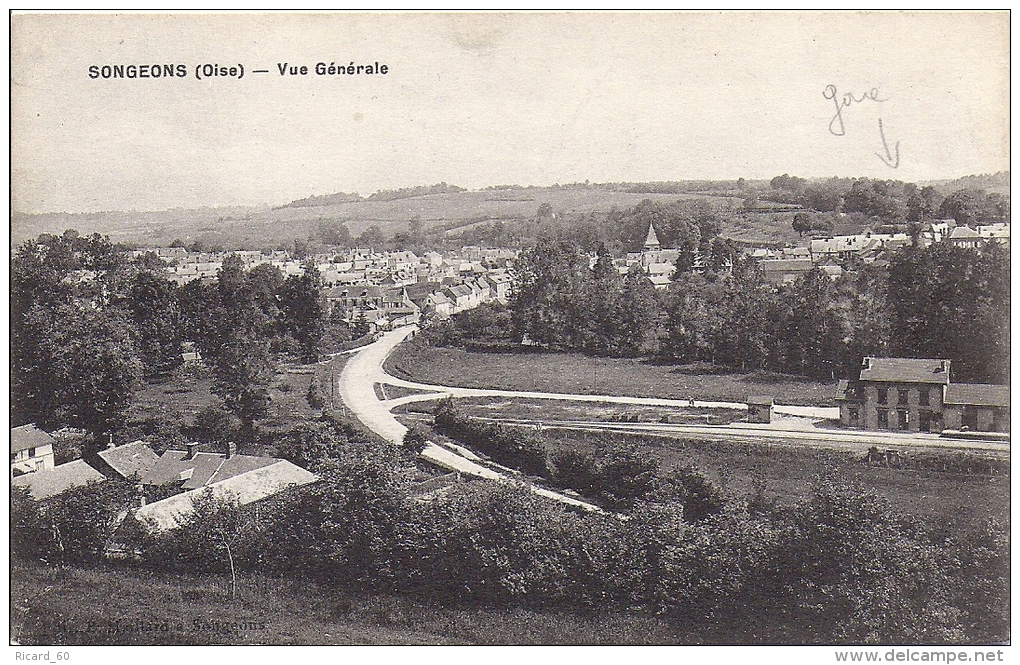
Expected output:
(888, 159)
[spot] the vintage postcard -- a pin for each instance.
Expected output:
(479, 328)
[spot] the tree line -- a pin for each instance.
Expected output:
(891, 201)
(935, 302)
(839, 566)
(89, 325)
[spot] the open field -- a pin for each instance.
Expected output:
(189, 391)
(125, 606)
(776, 228)
(578, 374)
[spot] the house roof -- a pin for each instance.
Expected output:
(203, 469)
(977, 394)
(51, 482)
(906, 370)
(245, 488)
(421, 289)
(28, 436)
(203, 466)
(832, 270)
(130, 459)
(1000, 230)
(963, 232)
(440, 298)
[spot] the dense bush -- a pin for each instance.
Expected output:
(699, 496)
(505, 445)
(416, 439)
(614, 477)
(74, 526)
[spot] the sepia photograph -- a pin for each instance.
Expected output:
(576, 328)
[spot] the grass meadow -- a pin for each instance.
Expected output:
(578, 374)
(112, 605)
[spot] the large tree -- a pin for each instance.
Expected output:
(84, 370)
(303, 310)
(948, 302)
(744, 334)
(155, 312)
(812, 331)
(73, 360)
(974, 206)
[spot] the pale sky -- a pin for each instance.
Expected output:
(486, 99)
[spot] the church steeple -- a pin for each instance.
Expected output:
(652, 242)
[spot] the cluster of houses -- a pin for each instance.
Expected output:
(178, 475)
(383, 289)
(385, 307)
(916, 395)
(351, 267)
(830, 254)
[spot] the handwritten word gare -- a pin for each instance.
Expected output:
(847, 99)
(332, 69)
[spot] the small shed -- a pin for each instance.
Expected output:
(759, 409)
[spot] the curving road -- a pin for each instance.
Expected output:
(357, 389)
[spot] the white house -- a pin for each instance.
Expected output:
(31, 450)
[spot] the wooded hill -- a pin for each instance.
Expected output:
(748, 210)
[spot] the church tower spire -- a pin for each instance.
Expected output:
(652, 242)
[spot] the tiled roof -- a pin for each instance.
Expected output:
(204, 469)
(167, 468)
(28, 436)
(130, 459)
(238, 465)
(977, 394)
(245, 488)
(51, 482)
(203, 466)
(906, 370)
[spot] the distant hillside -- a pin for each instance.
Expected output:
(997, 183)
(263, 227)
(445, 207)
